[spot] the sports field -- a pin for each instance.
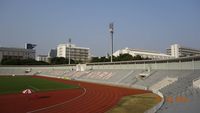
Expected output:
(16, 84)
(87, 98)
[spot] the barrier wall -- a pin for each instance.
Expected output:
(190, 63)
(159, 105)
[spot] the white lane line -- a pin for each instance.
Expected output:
(59, 103)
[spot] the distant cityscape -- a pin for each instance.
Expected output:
(82, 54)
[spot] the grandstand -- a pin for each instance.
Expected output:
(171, 78)
(196, 83)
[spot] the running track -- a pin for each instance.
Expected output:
(90, 98)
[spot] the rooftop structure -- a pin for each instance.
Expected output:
(142, 53)
(177, 51)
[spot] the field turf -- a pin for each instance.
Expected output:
(136, 103)
(16, 84)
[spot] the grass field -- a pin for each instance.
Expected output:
(136, 103)
(16, 84)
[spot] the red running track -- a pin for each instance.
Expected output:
(91, 98)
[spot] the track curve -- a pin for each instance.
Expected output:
(97, 99)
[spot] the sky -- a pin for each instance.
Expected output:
(143, 24)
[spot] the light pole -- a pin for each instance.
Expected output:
(69, 48)
(111, 29)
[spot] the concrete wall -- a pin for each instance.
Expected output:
(175, 65)
(191, 65)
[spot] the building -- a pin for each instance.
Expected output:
(16, 53)
(42, 58)
(75, 53)
(179, 51)
(52, 53)
(142, 53)
(29, 46)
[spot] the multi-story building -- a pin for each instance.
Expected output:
(75, 53)
(42, 58)
(179, 51)
(52, 53)
(16, 53)
(142, 53)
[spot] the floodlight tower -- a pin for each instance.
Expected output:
(69, 48)
(111, 29)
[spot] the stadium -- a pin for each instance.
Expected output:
(161, 86)
(99, 56)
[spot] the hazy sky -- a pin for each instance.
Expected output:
(145, 24)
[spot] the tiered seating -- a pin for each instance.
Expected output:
(160, 75)
(185, 102)
(44, 71)
(106, 76)
(57, 72)
(196, 83)
(130, 78)
(163, 83)
(118, 75)
(146, 74)
(79, 74)
(182, 84)
(11, 71)
(70, 73)
(99, 75)
(182, 88)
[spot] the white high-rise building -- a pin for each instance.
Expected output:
(76, 53)
(179, 51)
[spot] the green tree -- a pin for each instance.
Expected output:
(61, 60)
(58, 60)
(121, 57)
(7, 61)
(104, 59)
(137, 57)
(95, 59)
(124, 57)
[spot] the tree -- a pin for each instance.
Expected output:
(137, 57)
(58, 60)
(95, 59)
(104, 59)
(121, 57)
(7, 61)
(124, 57)
(61, 60)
